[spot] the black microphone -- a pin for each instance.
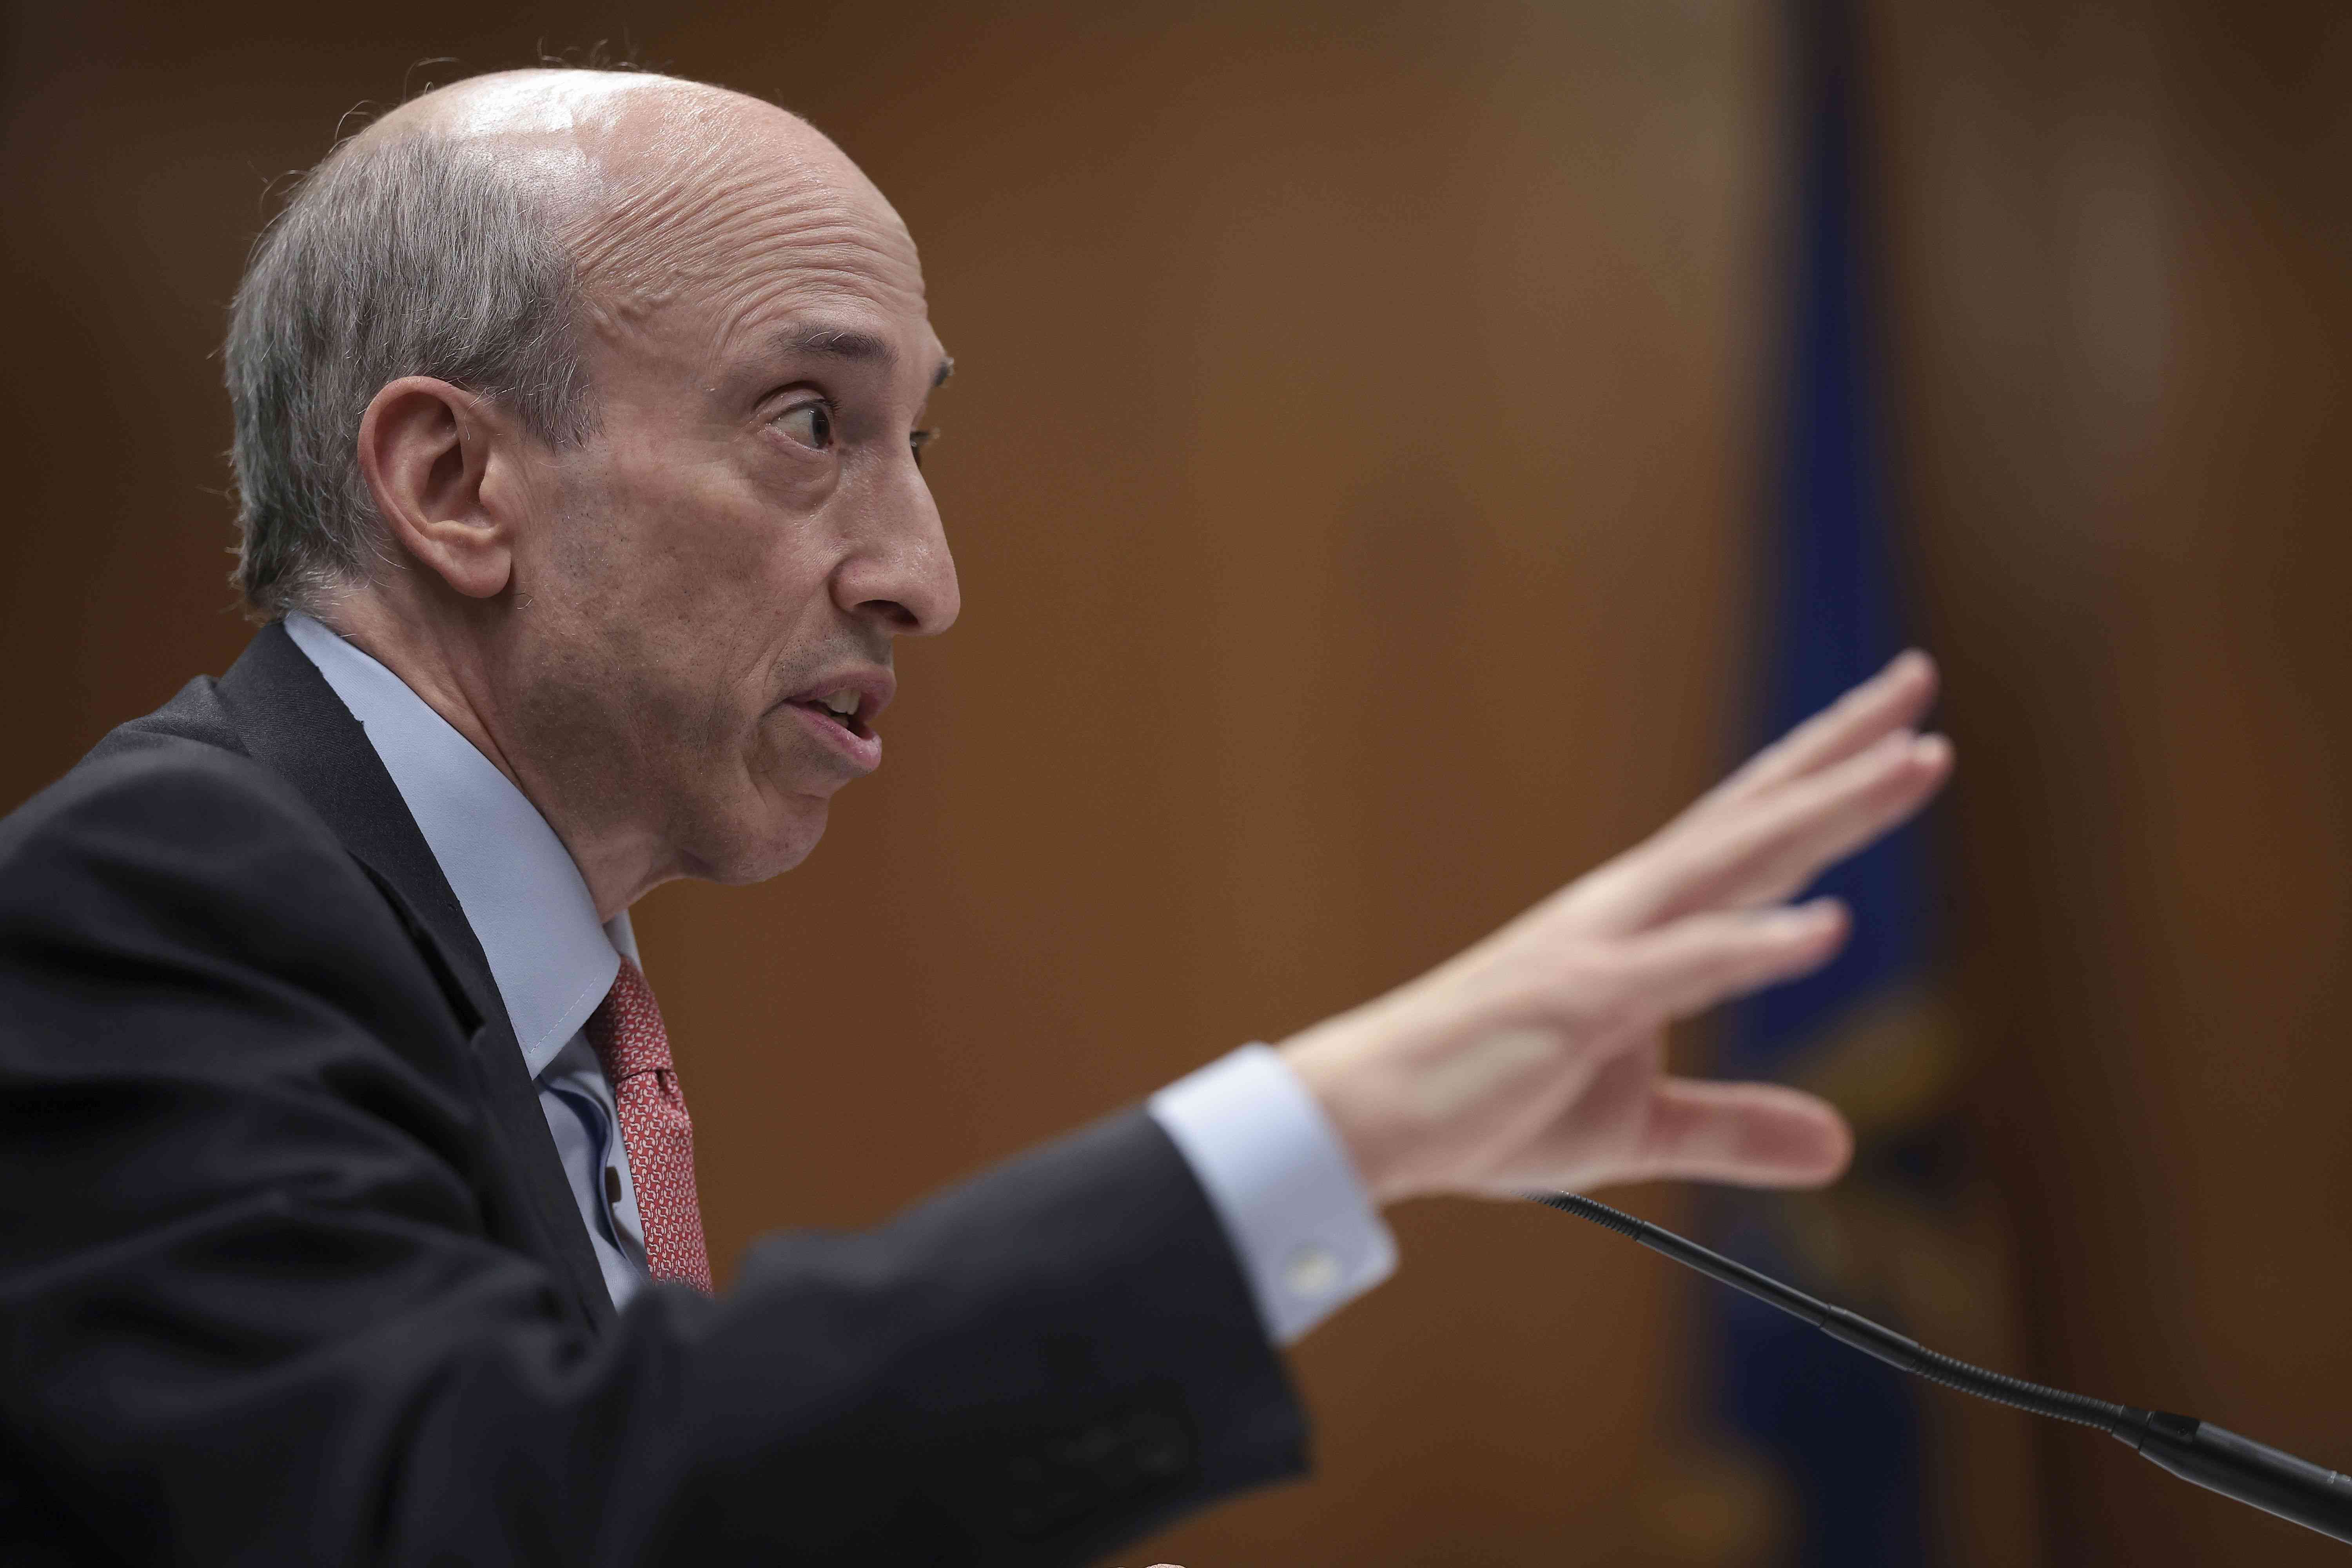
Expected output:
(2212, 1456)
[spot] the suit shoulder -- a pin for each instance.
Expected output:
(169, 862)
(151, 779)
(194, 713)
(165, 823)
(186, 733)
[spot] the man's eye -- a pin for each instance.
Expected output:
(809, 424)
(919, 440)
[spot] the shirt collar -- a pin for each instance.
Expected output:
(530, 907)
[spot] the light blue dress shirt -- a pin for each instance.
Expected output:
(1308, 1237)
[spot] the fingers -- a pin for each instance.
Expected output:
(1768, 847)
(1749, 1134)
(1892, 699)
(1812, 825)
(1699, 961)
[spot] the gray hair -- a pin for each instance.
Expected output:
(406, 255)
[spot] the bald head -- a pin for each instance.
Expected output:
(558, 207)
(648, 179)
(564, 105)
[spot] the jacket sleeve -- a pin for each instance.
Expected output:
(251, 1312)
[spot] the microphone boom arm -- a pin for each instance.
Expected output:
(2199, 1451)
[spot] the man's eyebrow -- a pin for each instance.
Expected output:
(849, 342)
(841, 342)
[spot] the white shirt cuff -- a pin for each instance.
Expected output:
(1306, 1234)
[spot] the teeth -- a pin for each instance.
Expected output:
(843, 702)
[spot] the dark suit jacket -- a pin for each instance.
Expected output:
(290, 1273)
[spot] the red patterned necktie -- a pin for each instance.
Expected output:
(626, 1030)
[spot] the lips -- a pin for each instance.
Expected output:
(838, 710)
(841, 705)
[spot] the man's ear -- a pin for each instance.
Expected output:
(425, 448)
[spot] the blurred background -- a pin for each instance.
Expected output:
(1399, 454)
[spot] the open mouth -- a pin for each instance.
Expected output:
(842, 708)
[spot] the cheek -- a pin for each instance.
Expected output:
(706, 597)
(703, 542)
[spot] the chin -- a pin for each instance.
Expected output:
(785, 837)
(771, 820)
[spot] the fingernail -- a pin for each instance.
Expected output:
(1804, 919)
(1933, 751)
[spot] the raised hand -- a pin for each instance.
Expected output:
(1533, 1059)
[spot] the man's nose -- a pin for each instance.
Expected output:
(900, 571)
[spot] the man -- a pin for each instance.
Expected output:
(354, 1213)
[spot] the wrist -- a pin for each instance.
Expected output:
(1329, 1066)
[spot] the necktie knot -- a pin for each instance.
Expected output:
(626, 1027)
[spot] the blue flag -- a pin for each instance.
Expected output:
(1841, 1434)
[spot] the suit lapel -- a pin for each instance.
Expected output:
(292, 721)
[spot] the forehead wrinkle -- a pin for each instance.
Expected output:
(678, 218)
(738, 235)
(767, 325)
(736, 294)
(742, 318)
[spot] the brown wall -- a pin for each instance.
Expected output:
(2122, 243)
(1352, 466)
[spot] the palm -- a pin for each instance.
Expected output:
(1606, 1133)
